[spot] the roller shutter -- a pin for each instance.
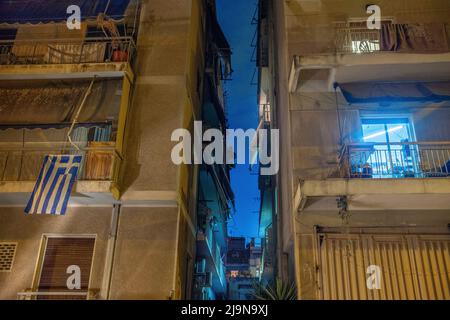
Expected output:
(412, 267)
(60, 253)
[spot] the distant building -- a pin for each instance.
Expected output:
(238, 258)
(243, 268)
(241, 288)
(215, 197)
(255, 258)
(268, 219)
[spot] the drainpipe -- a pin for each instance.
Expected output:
(111, 250)
(173, 292)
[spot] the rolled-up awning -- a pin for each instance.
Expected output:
(45, 11)
(389, 92)
(54, 103)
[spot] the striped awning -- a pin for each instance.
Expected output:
(46, 11)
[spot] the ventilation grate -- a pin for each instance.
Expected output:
(7, 252)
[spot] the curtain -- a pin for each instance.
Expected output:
(414, 38)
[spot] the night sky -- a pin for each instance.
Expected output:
(235, 17)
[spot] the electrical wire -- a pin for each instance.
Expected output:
(77, 115)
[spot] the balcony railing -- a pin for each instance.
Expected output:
(396, 160)
(67, 51)
(29, 294)
(23, 163)
(214, 253)
(357, 38)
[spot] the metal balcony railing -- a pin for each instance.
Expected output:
(396, 160)
(67, 51)
(357, 38)
(23, 163)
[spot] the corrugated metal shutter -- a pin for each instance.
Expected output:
(61, 253)
(413, 267)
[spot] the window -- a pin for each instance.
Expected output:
(60, 257)
(391, 152)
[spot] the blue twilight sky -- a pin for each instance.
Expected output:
(235, 18)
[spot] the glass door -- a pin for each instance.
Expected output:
(393, 155)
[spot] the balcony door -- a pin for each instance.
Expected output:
(393, 154)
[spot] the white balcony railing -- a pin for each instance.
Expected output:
(357, 39)
(396, 160)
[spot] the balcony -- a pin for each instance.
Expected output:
(20, 167)
(396, 160)
(66, 58)
(350, 52)
(210, 250)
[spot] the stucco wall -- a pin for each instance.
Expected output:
(145, 253)
(28, 230)
(159, 96)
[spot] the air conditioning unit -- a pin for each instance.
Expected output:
(200, 266)
(204, 280)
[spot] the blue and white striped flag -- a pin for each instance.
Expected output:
(54, 185)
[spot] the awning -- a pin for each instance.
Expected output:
(45, 11)
(389, 92)
(53, 103)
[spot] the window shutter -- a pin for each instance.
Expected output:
(60, 254)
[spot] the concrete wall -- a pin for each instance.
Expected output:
(28, 231)
(159, 96)
(145, 254)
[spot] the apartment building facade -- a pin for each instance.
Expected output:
(363, 206)
(112, 91)
(268, 221)
(215, 196)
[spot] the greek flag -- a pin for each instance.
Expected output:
(54, 185)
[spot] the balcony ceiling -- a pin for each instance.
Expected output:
(375, 194)
(85, 193)
(320, 72)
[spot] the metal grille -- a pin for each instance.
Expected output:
(7, 253)
(413, 267)
(397, 160)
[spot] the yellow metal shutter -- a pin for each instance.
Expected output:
(412, 266)
(60, 253)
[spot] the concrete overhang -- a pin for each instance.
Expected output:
(321, 72)
(374, 194)
(66, 71)
(85, 193)
(204, 250)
